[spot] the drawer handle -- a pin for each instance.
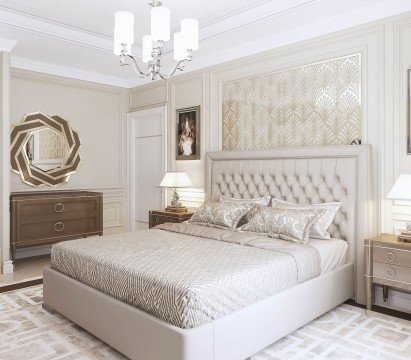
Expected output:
(391, 272)
(58, 208)
(390, 256)
(58, 226)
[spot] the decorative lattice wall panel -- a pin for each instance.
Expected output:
(312, 105)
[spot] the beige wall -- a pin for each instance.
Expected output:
(385, 48)
(98, 113)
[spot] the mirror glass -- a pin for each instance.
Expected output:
(46, 149)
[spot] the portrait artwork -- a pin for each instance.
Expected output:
(188, 133)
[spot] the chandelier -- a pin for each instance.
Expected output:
(185, 41)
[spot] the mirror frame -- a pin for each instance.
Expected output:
(20, 163)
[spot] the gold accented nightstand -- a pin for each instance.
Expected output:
(388, 263)
(161, 217)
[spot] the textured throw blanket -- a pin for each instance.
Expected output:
(184, 274)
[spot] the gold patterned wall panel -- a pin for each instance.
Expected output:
(312, 105)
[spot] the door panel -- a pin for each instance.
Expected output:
(149, 174)
(148, 156)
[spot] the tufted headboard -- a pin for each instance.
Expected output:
(305, 175)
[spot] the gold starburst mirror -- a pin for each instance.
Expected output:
(45, 150)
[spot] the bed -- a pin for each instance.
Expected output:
(218, 294)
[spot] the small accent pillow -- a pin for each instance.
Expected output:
(286, 224)
(220, 214)
(262, 201)
(319, 229)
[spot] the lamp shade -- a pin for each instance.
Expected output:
(401, 189)
(118, 45)
(189, 31)
(176, 180)
(160, 23)
(180, 51)
(147, 48)
(124, 28)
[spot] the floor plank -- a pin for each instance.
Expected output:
(27, 269)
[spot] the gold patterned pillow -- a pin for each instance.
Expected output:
(259, 202)
(286, 224)
(319, 229)
(220, 215)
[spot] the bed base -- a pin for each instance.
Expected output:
(236, 336)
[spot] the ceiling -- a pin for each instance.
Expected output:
(74, 38)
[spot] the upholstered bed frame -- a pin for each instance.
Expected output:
(300, 175)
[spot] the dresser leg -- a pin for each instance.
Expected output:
(385, 293)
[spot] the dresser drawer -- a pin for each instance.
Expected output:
(38, 232)
(58, 209)
(392, 256)
(392, 272)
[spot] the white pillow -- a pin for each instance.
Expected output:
(319, 229)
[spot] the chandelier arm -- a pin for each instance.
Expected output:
(135, 70)
(178, 66)
(136, 67)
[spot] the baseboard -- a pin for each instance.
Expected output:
(33, 251)
(382, 310)
(21, 285)
(397, 300)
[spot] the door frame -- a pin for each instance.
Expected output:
(132, 117)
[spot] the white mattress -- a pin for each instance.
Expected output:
(333, 252)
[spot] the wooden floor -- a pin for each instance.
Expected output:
(25, 270)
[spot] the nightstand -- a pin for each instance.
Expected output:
(388, 263)
(162, 216)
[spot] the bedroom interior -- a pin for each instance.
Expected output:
(205, 180)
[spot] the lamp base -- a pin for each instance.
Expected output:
(404, 238)
(177, 209)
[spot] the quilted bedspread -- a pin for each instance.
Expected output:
(186, 275)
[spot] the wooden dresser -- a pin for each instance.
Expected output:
(161, 217)
(39, 218)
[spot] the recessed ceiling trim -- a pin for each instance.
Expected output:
(52, 69)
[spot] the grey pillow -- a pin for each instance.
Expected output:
(220, 214)
(286, 224)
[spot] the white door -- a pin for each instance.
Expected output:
(148, 164)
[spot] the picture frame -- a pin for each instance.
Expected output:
(188, 133)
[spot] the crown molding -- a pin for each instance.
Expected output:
(52, 69)
(55, 30)
(7, 45)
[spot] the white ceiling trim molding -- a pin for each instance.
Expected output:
(36, 25)
(7, 45)
(249, 16)
(52, 69)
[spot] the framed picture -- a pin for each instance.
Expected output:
(409, 112)
(188, 133)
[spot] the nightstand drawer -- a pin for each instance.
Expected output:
(392, 272)
(161, 217)
(392, 256)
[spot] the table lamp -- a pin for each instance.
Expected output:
(176, 180)
(402, 191)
